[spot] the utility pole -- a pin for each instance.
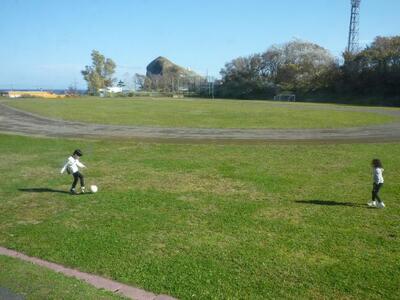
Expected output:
(212, 87)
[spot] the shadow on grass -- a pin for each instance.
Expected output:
(329, 203)
(42, 190)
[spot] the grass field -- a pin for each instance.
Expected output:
(209, 221)
(201, 113)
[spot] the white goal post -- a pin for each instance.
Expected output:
(285, 97)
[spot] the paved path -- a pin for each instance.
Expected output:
(97, 281)
(16, 121)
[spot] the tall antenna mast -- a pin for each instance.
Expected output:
(352, 45)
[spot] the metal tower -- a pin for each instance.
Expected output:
(352, 45)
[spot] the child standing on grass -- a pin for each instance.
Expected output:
(72, 167)
(377, 171)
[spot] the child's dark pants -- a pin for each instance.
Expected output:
(78, 175)
(375, 190)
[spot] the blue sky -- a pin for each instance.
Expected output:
(45, 43)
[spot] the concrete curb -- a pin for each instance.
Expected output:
(97, 281)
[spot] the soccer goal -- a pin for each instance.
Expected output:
(285, 97)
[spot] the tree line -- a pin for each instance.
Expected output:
(306, 69)
(311, 72)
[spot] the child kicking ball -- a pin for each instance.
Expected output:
(72, 167)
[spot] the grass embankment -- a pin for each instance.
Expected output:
(32, 282)
(210, 221)
(200, 113)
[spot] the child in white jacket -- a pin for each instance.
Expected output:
(377, 173)
(72, 167)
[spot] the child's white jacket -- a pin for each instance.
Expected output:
(378, 176)
(72, 164)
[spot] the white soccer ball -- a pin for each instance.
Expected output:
(93, 188)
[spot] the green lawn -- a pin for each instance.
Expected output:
(200, 113)
(210, 221)
(33, 282)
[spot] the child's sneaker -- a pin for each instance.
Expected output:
(380, 205)
(73, 192)
(83, 189)
(372, 204)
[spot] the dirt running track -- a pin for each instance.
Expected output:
(19, 122)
